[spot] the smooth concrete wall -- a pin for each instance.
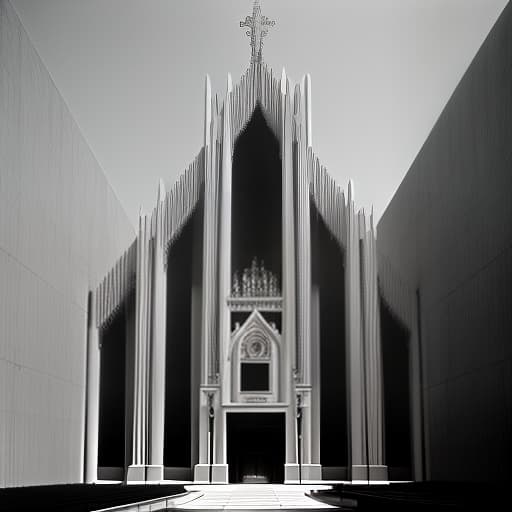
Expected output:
(448, 233)
(61, 228)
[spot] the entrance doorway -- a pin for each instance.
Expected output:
(256, 447)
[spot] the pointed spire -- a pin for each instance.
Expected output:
(296, 100)
(229, 84)
(307, 113)
(350, 191)
(207, 109)
(161, 190)
(283, 82)
(141, 219)
(258, 29)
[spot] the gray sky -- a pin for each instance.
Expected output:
(132, 73)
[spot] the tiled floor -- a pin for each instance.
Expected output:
(254, 496)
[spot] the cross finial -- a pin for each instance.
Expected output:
(258, 29)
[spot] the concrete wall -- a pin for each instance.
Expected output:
(448, 232)
(61, 228)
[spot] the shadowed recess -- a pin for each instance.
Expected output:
(256, 197)
(111, 441)
(328, 275)
(395, 358)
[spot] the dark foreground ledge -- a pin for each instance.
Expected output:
(423, 496)
(79, 497)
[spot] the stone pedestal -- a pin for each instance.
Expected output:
(154, 473)
(202, 474)
(308, 473)
(372, 472)
(220, 474)
(136, 474)
(291, 473)
(311, 472)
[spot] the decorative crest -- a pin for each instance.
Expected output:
(255, 281)
(258, 29)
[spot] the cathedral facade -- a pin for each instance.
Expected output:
(238, 338)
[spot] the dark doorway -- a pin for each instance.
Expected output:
(256, 447)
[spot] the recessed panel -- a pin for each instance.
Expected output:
(254, 377)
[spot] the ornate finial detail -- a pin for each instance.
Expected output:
(255, 281)
(258, 29)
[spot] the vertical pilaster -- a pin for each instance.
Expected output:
(288, 278)
(372, 360)
(209, 362)
(93, 386)
(224, 284)
(303, 253)
(307, 110)
(155, 470)
(353, 324)
(137, 469)
(302, 116)
(208, 332)
(363, 349)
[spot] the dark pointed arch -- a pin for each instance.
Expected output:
(256, 196)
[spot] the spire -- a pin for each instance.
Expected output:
(258, 29)
(161, 190)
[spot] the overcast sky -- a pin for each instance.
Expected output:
(132, 73)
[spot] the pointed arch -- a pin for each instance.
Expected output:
(255, 342)
(256, 226)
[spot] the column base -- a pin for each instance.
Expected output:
(154, 473)
(202, 474)
(291, 473)
(136, 474)
(308, 473)
(311, 472)
(376, 473)
(219, 473)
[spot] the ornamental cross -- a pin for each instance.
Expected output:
(258, 29)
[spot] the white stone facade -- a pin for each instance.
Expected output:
(287, 352)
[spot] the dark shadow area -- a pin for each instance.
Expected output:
(254, 377)
(239, 317)
(79, 497)
(395, 361)
(178, 368)
(256, 447)
(256, 197)
(272, 317)
(431, 496)
(111, 429)
(328, 274)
